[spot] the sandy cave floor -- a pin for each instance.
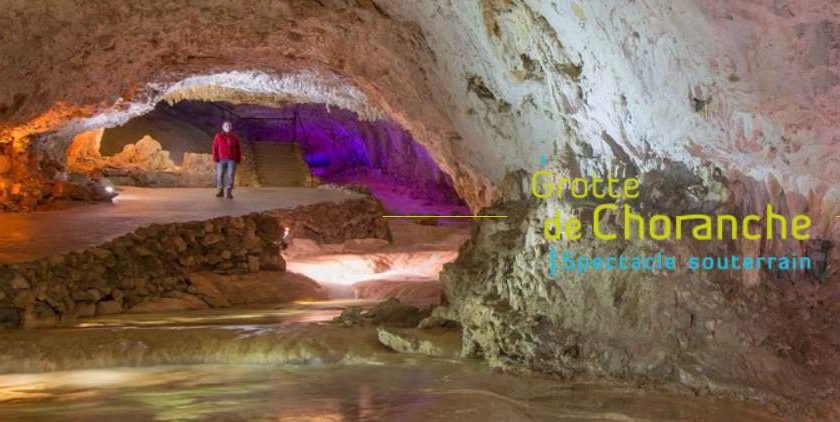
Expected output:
(29, 236)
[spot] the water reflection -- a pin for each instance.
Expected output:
(285, 314)
(426, 390)
(271, 364)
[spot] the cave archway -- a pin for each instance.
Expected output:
(291, 145)
(45, 139)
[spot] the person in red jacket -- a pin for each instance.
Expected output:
(226, 155)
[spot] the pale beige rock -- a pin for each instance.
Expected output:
(198, 163)
(146, 154)
(436, 342)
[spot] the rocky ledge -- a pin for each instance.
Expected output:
(178, 265)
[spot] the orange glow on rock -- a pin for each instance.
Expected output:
(58, 115)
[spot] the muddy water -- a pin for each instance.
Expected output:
(287, 363)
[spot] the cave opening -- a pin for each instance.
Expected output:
(293, 145)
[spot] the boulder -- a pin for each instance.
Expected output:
(147, 154)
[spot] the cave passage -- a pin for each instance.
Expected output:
(470, 210)
(294, 145)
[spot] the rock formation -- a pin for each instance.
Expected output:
(149, 263)
(173, 265)
(143, 163)
(146, 154)
(720, 105)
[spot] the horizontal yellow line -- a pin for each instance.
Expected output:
(444, 216)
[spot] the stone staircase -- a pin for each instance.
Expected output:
(280, 164)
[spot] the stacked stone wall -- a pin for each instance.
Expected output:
(152, 261)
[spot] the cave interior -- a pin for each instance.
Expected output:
(386, 253)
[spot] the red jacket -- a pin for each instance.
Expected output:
(226, 147)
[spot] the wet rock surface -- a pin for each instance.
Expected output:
(696, 81)
(696, 331)
(260, 362)
(389, 313)
(437, 342)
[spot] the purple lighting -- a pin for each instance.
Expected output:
(339, 148)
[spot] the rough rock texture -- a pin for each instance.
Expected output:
(344, 54)
(487, 86)
(145, 163)
(746, 90)
(146, 265)
(700, 330)
(436, 342)
(173, 266)
(145, 154)
(389, 313)
(746, 85)
(29, 179)
(327, 223)
(83, 154)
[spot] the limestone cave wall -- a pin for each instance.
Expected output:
(488, 87)
(738, 98)
(130, 56)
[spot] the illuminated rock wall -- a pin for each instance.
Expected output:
(666, 90)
